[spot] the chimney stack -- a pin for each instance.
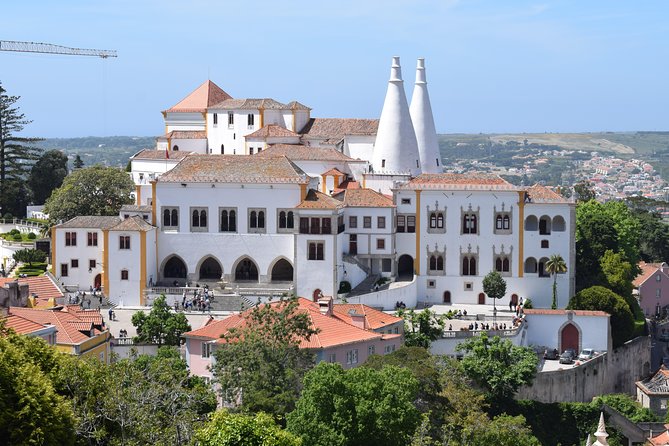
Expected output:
(423, 123)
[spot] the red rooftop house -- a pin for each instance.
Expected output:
(652, 288)
(349, 334)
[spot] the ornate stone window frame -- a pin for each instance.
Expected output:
(471, 213)
(502, 222)
(502, 255)
(436, 219)
(437, 253)
(469, 254)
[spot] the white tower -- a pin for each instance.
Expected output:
(601, 433)
(396, 149)
(423, 124)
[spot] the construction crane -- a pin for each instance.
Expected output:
(48, 48)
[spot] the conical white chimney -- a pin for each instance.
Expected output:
(423, 124)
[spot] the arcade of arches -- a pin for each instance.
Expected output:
(210, 269)
(175, 268)
(246, 271)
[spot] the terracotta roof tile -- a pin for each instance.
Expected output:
(294, 105)
(249, 104)
(234, 169)
(542, 194)
(134, 223)
(136, 208)
(334, 172)
(544, 311)
(22, 325)
(91, 221)
(271, 130)
(336, 129)
(319, 200)
(457, 181)
(347, 184)
(300, 152)
(153, 154)
(68, 333)
(375, 319)
(647, 271)
(185, 134)
(333, 330)
(200, 99)
(42, 286)
(364, 198)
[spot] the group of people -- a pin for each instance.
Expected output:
(516, 306)
(201, 300)
(123, 333)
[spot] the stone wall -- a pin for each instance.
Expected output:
(612, 372)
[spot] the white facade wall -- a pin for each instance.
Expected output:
(544, 330)
(359, 146)
(312, 275)
(228, 248)
(301, 119)
(78, 277)
(184, 121)
(124, 292)
(230, 137)
(189, 145)
(367, 251)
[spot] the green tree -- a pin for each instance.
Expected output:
(78, 163)
(31, 412)
(494, 286)
(161, 326)
(16, 156)
(584, 191)
(603, 299)
(360, 406)
(555, 265)
(29, 256)
(654, 245)
(94, 190)
(260, 429)
(421, 327)
(261, 361)
(497, 365)
(618, 273)
(47, 174)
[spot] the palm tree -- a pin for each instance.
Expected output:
(555, 265)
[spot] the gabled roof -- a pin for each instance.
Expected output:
(272, 131)
(42, 286)
(658, 383)
(662, 439)
(334, 330)
(234, 169)
(542, 194)
(335, 129)
(200, 99)
(294, 105)
(69, 326)
(249, 104)
(319, 200)
(185, 134)
(22, 325)
(364, 198)
(647, 271)
(347, 185)
(134, 223)
(299, 152)
(153, 154)
(374, 319)
(334, 172)
(458, 181)
(90, 222)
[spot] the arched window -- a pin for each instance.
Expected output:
(253, 221)
(447, 297)
(175, 218)
(433, 220)
(545, 225)
(282, 219)
(440, 263)
(233, 221)
(472, 266)
(195, 220)
(465, 266)
(440, 220)
(166, 217)
(175, 148)
(505, 265)
(498, 222)
(290, 220)
(261, 219)
(433, 263)
(203, 219)
(558, 223)
(498, 264)
(506, 224)
(222, 148)
(530, 265)
(531, 223)
(225, 227)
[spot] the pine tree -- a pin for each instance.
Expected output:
(78, 162)
(17, 155)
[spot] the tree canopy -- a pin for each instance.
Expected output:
(421, 327)
(494, 285)
(230, 429)
(603, 299)
(47, 174)
(360, 406)
(262, 360)
(29, 256)
(94, 190)
(17, 155)
(555, 265)
(497, 365)
(161, 326)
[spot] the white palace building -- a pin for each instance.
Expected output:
(257, 195)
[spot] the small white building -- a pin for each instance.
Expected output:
(563, 329)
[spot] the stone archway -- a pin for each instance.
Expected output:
(481, 298)
(405, 267)
(97, 282)
(175, 268)
(246, 271)
(282, 271)
(210, 269)
(570, 337)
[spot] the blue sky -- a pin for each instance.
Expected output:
(492, 66)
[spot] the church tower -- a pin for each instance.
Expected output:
(423, 124)
(396, 149)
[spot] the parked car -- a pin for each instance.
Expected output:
(586, 353)
(551, 354)
(567, 357)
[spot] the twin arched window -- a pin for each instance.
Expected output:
(199, 218)
(502, 264)
(469, 224)
(228, 220)
(436, 263)
(170, 217)
(257, 219)
(286, 220)
(469, 266)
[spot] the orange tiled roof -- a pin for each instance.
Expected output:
(42, 286)
(153, 154)
(364, 198)
(333, 330)
(91, 221)
(345, 185)
(576, 312)
(200, 99)
(336, 128)
(186, 134)
(249, 104)
(22, 325)
(234, 169)
(542, 194)
(459, 181)
(294, 105)
(271, 130)
(374, 319)
(134, 223)
(647, 271)
(334, 172)
(662, 439)
(65, 322)
(300, 152)
(319, 200)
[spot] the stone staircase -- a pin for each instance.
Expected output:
(366, 286)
